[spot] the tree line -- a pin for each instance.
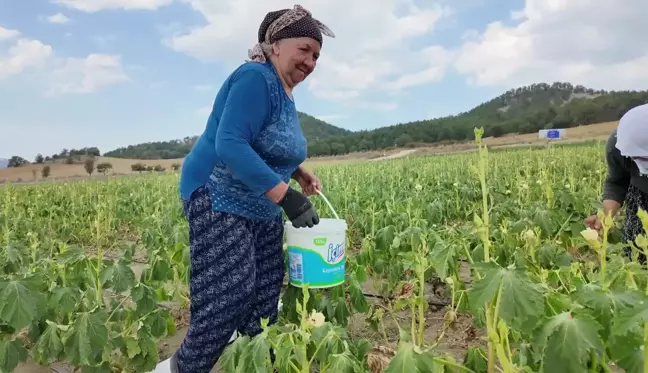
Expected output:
(520, 110)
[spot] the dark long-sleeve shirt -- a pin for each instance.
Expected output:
(622, 172)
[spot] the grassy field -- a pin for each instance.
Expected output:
(31, 173)
(459, 263)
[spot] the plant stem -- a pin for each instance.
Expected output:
(421, 310)
(413, 326)
(491, 342)
(603, 255)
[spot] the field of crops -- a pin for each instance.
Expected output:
(462, 263)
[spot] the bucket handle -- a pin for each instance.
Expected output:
(328, 203)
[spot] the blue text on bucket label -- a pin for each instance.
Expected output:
(307, 266)
(335, 252)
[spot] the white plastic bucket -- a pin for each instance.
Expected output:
(317, 255)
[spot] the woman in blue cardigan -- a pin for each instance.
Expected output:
(234, 187)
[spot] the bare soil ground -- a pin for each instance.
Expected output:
(61, 171)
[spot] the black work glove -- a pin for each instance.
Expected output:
(299, 209)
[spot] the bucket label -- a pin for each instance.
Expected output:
(318, 262)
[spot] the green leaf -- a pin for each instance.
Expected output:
(63, 301)
(106, 273)
(556, 303)
(161, 271)
(360, 348)
(144, 297)
(123, 278)
(342, 363)
(568, 342)
(71, 255)
(157, 323)
(49, 346)
(358, 299)
(11, 353)
(604, 304)
(256, 356)
(384, 238)
(18, 304)
(521, 302)
(147, 358)
(16, 252)
(404, 361)
(425, 362)
(476, 360)
(628, 352)
(87, 338)
(632, 319)
(231, 356)
(443, 255)
(286, 351)
(132, 347)
(341, 312)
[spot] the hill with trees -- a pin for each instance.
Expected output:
(314, 130)
(521, 110)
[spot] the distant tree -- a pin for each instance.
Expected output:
(89, 166)
(496, 131)
(403, 140)
(45, 172)
(104, 167)
(48, 158)
(39, 159)
(158, 168)
(17, 161)
(338, 148)
(175, 166)
(139, 167)
(149, 168)
(69, 160)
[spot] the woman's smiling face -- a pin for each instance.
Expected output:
(296, 58)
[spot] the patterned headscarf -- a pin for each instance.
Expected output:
(288, 23)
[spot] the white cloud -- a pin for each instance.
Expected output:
(437, 58)
(597, 43)
(91, 6)
(371, 48)
(7, 34)
(71, 75)
(58, 18)
(23, 54)
(87, 75)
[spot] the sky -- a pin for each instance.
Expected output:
(112, 73)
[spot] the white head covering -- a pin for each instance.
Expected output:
(632, 136)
